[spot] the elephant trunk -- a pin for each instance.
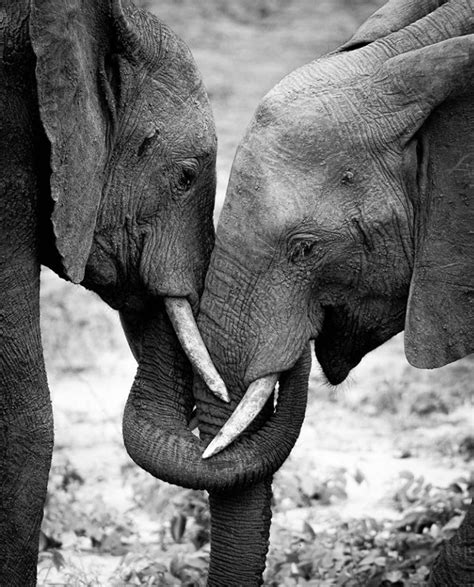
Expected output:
(160, 403)
(241, 515)
(240, 527)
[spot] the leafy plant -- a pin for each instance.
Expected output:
(185, 510)
(69, 521)
(370, 552)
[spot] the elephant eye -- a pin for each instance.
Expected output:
(300, 250)
(187, 175)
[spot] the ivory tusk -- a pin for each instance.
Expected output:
(248, 409)
(182, 318)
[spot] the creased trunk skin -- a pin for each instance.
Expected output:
(239, 535)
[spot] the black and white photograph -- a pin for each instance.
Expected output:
(236, 293)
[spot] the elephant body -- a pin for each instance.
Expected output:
(107, 149)
(348, 218)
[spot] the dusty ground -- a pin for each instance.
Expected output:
(362, 438)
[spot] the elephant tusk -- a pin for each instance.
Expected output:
(182, 318)
(248, 409)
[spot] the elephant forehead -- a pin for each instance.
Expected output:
(318, 134)
(183, 122)
(291, 132)
(262, 207)
(282, 173)
(323, 103)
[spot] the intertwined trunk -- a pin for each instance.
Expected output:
(157, 437)
(155, 422)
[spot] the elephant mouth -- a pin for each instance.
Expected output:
(346, 337)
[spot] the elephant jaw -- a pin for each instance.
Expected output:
(336, 368)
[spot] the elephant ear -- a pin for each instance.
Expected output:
(431, 91)
(391, 17)
(71, 43)
(439, 324)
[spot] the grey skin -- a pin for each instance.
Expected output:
(107, 158)
(348, 218)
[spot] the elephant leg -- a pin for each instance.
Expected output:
(26, 420)
(455, 564)
(25, 451)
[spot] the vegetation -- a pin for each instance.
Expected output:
(350, 552)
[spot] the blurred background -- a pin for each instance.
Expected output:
(381, 473)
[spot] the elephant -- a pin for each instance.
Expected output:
(107, 150)
(348, 218)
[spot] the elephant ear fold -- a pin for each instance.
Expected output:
(68, 39)
(439, 324)
(391, 17)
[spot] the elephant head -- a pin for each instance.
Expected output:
(348, 218)
(133, 150)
